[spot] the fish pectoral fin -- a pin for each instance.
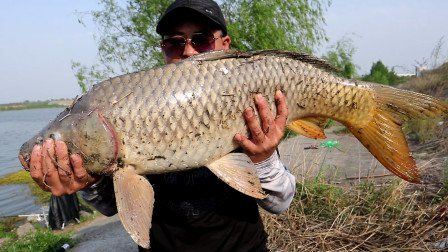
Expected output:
(384, 138)
(135, 201)
(238, 171)
(311, 127)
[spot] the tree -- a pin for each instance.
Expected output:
(379, 73)
(275, 24)
(340, 56)
(127, 40)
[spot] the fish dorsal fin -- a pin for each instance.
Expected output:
(219, 54)
(311, 127)
(304, 57)
(238, 171)
(135, 201)
(230, 53)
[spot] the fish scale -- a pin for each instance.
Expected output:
(224, 111)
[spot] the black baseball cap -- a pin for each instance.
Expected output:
(207, 9)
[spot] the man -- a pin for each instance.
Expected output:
(194, 210)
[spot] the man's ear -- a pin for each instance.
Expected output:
(226, 40)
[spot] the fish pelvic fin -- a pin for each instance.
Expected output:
(311, 127)
(238, 171)
(383, 135)
(135, 201)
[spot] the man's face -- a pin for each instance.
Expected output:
(193, 31)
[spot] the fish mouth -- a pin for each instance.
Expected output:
(25, 160)
(25, 151)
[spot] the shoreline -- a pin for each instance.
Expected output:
(61, 103)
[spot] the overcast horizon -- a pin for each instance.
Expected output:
(40, 39)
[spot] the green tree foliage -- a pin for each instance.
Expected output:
(379, 73)
(275, 24)
(340, 56)
(127, 40)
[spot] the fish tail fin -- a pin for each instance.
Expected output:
(383, 135)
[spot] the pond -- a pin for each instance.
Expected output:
(16, 127)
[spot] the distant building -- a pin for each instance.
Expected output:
(420, 69)
(404, 71)
(405, 74)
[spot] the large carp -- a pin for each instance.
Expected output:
(185, 115)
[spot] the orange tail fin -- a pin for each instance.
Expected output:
(383, 135)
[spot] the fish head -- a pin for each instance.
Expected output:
(88, 134)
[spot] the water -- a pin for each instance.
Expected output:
(17, 199)
(16, 127)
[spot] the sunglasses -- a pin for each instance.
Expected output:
(174, 46)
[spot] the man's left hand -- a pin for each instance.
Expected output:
(265, 137)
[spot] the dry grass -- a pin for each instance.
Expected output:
(365, 214)
(423, 130)
(326, 217)
(433, 82)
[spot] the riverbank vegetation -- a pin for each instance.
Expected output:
(42, 239)
(369, 213)
(35, 105)
(363, 217)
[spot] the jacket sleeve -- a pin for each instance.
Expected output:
(277, 182)
(101, 196)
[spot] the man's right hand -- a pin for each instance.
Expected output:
(55, 171)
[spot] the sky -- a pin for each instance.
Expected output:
(40, 38)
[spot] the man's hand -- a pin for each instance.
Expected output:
(265, 137)
(55, 171)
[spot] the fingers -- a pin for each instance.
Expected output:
(265, 113)
(54, 170)
(36, 167)
(78, 169)
(254, 125)
(82, 178)
(246, 144)
(50, 171)
(267, 132)
(282, 110)
(62, 159)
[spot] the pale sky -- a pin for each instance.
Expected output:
(40, 38)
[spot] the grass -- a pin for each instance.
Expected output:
(41, 240)
(433, 82)
(7, 225)
(423, 130)
(333, 213)
(23, 177)
(29, 105)
(363, 217)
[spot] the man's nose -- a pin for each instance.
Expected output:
(189, 50)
